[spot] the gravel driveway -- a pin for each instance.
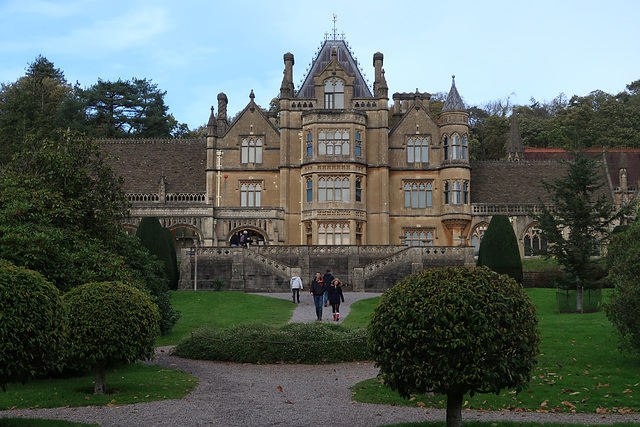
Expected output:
(230, 394)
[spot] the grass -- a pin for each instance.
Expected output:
(222, 310)
(133, 383)
(360, 313)
(580, 369)
(539, 264)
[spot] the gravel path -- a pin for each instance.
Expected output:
(230, 394)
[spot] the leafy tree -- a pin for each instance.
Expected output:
(454, 330)
(60, 214)
(499, 248)
(623, 262)
(577, 207)
(31, 106)
(110, 324)
(31, 324)
(159, 241)
(125, 109)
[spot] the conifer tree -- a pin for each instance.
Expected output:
(499, 248)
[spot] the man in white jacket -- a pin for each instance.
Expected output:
(296, 287)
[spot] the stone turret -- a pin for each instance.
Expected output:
(212, 126)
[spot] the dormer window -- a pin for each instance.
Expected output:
(333, 94)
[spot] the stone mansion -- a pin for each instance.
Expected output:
(337, 167)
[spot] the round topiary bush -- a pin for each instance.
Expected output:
(110, 323)
(31, 324)
(454, 330)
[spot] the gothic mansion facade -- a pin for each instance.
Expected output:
(335, 168)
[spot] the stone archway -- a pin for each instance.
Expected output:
(256, 237)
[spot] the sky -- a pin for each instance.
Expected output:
(195, 49)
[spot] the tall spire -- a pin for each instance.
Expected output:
(454, 101)
(515, 146)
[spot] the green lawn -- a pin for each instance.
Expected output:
(580, 369)
(133, 383)
(224, 309)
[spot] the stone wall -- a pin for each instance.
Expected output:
(269, 268)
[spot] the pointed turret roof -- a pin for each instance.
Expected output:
(346, 60)
(454, 101)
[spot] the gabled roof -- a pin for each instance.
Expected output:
(454, 100)
(344, 57)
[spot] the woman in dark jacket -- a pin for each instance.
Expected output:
(335, 296)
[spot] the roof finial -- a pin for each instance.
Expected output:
(335, 18)
(251, 95)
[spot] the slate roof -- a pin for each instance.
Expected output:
(502, 182)
(141, 162)
(344, 57)
(454, 100)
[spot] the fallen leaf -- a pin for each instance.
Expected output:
(420, 404)
(601, 410)
(280, 389)
(568, 404)
(627, 391)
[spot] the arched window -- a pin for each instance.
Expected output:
(250, 193)
(322, 190)
(418, 237)
(456, 199)
(333, 93)
(417, 194)
(533, 240)
(309, 190)
(465, 193)
(309, 144)
(251, 151)
(345, 189)
(476, 236)
(455, 147)
(417, 150)
(464, 148)
(344, 142)
(358, 190)
(322, 143)
(358, 144)
(446, 193)
(445, 146)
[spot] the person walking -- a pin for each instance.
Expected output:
(335, 296)
(327, 279)
(235, 239)
(296, 287)
(317, 290)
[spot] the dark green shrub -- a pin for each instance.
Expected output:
(548, 278)
(454, 330)
(295, 343)
(110, 324)
(623, 261)
(499, 248)
(31, 324)
(154, 237)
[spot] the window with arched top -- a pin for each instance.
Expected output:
(476, 236)
(309, 190)
(358, 189)
(417, 194)
(533, 240)
(309, 144)
(251, 150)
(333, 93)
(418, 237)
(455, 147)
(333, 233)
(358, 148)
(250, 194)
(417, 150)
(464, 148)
(445, 146)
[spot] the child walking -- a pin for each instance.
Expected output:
(335, 296)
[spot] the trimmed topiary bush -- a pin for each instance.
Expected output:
(499, 248)
(31, 324)
(294, 343)
(159, 242)
(454, 330)
(110, 324)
